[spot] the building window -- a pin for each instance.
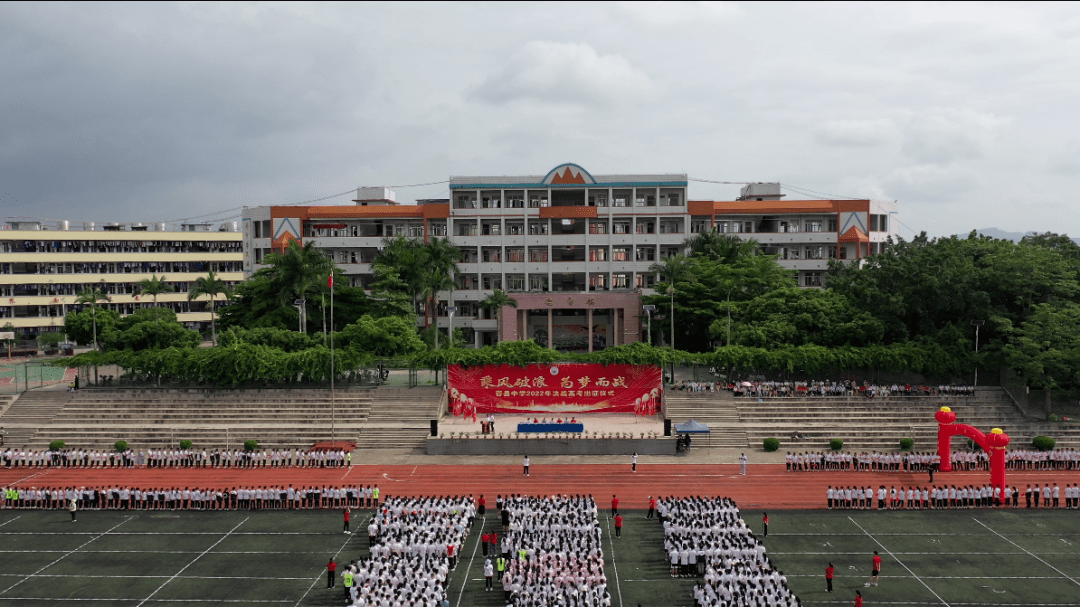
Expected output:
(618, 281)
(515, 229)
(621, 227)
(879, 223)
(815, 252)
(538, 282)
(598, 227)
(598, 254)
(812, 279)
(646, 227)
(598, 282)
(515, 282)
(515, 255)
(698, 226)
(538, 255)
(620, 254)
(813, 226)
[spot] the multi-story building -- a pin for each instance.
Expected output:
(574, 249)
(803, 234)
(44, 266)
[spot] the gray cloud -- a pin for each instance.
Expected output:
(565, 72)
(153, 111)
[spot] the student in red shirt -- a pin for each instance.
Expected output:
(450, 555)
(331, 568)
(485, 539)
(347, 512)
(765, 524)
(614, 506)
(858, 599)
(829, 571)
(652, 507)
(618, 526)
(875, 571)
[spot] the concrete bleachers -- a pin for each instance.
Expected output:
(400, 418)
(880, 423)
(30, 411)
(149, 418)
(716, 409)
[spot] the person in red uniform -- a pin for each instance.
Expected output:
(331, 569)
(858, 599)
(484, 539)
(829, 572)
(652, 507)
(347, 512)
(765, 524)
(481, 507)
(493, 543)
(875, 571)
(614, 506)
(618, 526)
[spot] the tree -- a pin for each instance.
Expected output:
(1045, 349)
(92, 295)
(381, 337)
(495, 303)
(420, 269)
(150, 329)
(154, 286)
(211, 286)
(298, 272)
(435, 280)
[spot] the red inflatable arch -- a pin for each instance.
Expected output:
(994, 444)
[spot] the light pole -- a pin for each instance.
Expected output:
(299, 304)
(450, 311)
(648, 319)
(671, 292)
(977, 324)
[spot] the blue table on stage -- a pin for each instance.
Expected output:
(551, 428)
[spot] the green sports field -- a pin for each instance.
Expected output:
(277, 558)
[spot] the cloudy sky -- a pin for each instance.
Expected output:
(966, 114)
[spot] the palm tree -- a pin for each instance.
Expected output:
(672, 270)
(436, 280)
(155, 286)
(92, 295)
(495, 303)
(297, 272)
(212, 286)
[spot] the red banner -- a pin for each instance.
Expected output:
(548, 388)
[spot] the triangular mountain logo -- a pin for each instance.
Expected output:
(567, 176)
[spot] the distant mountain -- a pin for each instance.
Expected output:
(1013, 236)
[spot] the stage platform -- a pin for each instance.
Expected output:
(602, 434)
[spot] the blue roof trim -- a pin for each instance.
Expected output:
(541, 186)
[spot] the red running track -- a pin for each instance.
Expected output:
(767, 486)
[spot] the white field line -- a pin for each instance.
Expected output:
(1025, 550)
(193, 561)
(901, 563)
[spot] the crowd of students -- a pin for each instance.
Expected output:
(706, 537)
(825, 461)
(556, 556)
(192, 498)
(760, 389)
(414, 546)
(949, 497)
(174, 458)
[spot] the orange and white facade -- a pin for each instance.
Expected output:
(574, 249)
(803, 234)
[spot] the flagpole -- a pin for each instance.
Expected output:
(333, 403)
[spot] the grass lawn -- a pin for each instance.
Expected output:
(976, 557)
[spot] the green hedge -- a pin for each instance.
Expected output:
(771, 444)
(56, 445)
(1043, 443)
(120, 445)
(836, 444)
(906, 444)
(251, 445)
(185, 444)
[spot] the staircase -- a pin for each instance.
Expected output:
(716, 409)
(880, 423)
(211, 419)
(29, 412)
(400, 418)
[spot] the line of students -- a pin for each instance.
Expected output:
(950, 497)
(192, 498)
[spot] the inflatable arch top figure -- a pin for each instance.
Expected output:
(994, 444)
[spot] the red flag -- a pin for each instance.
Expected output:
(330, 281)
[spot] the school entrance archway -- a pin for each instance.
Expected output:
(993, 443)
